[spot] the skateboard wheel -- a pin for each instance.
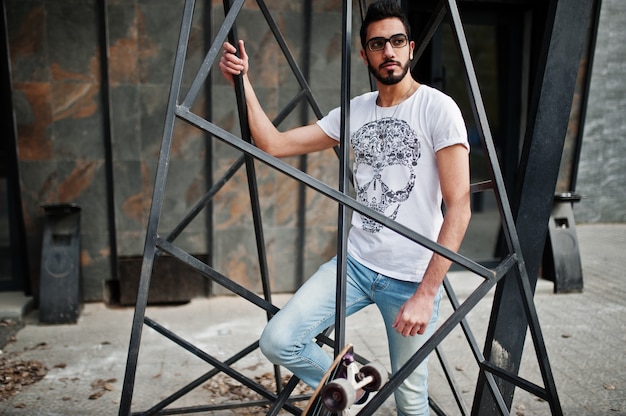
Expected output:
(378, 372)
(338, 395)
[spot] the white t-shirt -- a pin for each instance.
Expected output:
(395, 172)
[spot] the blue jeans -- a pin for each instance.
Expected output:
(288, 338)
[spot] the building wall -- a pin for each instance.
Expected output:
(60, 114)
(57, 99)
(61, 119)
(602, 168)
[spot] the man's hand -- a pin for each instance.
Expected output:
(231, 64)
(414, 315)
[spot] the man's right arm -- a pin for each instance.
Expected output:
(267, 137)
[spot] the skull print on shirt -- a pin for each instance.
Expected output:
(386, 153)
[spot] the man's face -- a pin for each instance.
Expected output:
(390, 64)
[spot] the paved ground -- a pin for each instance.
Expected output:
(584, 335)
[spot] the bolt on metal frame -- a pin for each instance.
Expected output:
(179, 107)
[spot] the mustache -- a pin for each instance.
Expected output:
(388, 61)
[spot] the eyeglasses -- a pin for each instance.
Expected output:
(378, 43)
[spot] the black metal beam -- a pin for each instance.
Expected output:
(156, 245)
(253, 189)
(150, 250)
(549, 112)
(332, 193)
(343, 219)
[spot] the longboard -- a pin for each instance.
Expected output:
(338, 388)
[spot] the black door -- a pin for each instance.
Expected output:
(13, 261)
(500, 53)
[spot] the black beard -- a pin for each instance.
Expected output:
(390, 79)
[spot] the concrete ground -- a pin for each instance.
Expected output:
(85, 362)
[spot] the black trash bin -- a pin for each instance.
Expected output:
(60, 298)
(561, 259)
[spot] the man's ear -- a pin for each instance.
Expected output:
(364, 56)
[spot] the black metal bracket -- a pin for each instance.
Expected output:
(179, 107)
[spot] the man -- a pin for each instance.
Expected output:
(411, 152)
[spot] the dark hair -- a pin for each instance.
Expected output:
(383, 9)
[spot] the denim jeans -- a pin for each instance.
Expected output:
(288, 339)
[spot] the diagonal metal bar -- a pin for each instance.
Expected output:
(420, 355)
(217, 186)
(516, 380)
(198, 381)
(332, 193)
(437, 16)
(506, 265)
(155, 213)
(538, 341)
(305, 88)
(210, 409)
(478, 355)
(253, 188)
(481, 186)
(480, 116)
(283, 397)
(510, 235)
(216, 276)
(236, 375)
(205, 68)
(458, 397)
(434, 406)
(295, 69)
(202, 203)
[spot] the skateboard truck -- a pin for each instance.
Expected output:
(339, 394)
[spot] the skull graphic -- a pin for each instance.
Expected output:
(386, 152)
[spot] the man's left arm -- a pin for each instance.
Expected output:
(454, 176)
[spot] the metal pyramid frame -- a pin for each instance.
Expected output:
(179, 107)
